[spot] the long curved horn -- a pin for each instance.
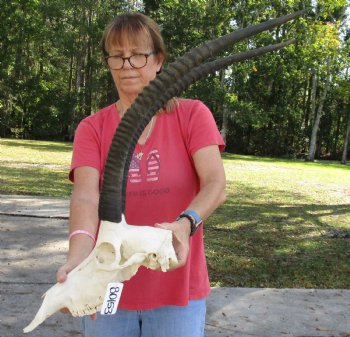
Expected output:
(152, 98)
(194, 75)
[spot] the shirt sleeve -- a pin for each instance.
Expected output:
(202, 130)
(86, 148)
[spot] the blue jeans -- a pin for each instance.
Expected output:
(168, 321)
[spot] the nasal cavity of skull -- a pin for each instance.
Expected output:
(105, 253)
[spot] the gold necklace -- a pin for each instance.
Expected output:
(140, 154)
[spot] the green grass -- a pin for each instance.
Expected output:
(273, 231)
(35, 167)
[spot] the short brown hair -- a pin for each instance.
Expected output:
(131, 25)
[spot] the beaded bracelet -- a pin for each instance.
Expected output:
(82, 231)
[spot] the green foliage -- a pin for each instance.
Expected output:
(52, 74)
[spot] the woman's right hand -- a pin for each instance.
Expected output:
(62, 272)
(61, 276)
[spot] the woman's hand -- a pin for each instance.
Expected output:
(61, 276)
(181, 230)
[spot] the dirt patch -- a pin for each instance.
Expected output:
(32, 165)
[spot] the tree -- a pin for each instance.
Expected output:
(346, 142)
(325, 46)
(52, 74)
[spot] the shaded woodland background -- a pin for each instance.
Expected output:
(294, 103)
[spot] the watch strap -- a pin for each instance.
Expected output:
(194, 219)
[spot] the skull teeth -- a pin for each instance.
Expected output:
(84, 311)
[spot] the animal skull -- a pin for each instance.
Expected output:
(120, 250)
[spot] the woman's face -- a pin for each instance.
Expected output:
(128, 80)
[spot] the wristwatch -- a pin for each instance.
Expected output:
(194, 219)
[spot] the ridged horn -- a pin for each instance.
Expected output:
(194, 75)
(152, 98)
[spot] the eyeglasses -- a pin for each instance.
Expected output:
(137, 61)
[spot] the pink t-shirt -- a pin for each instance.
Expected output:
(160, 186)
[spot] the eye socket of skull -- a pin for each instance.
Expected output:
(107, 256)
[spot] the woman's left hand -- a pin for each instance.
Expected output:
(181, 233)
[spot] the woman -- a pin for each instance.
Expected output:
(176, 180)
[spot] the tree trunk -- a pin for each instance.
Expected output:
(224, 125)
(346, 142)
(316, 123)
(88, 67)
(313, 96)
(305, 105)
(70, 79)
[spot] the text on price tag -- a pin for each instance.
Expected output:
(112, 297)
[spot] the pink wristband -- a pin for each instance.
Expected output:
(82, 231)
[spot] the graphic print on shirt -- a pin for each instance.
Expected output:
(153, 166)
(135, 170)
(149, 171)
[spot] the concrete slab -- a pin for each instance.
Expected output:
(243, 312)
(19, 304)
(33, 242)
(32, 249)
(34, 206)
